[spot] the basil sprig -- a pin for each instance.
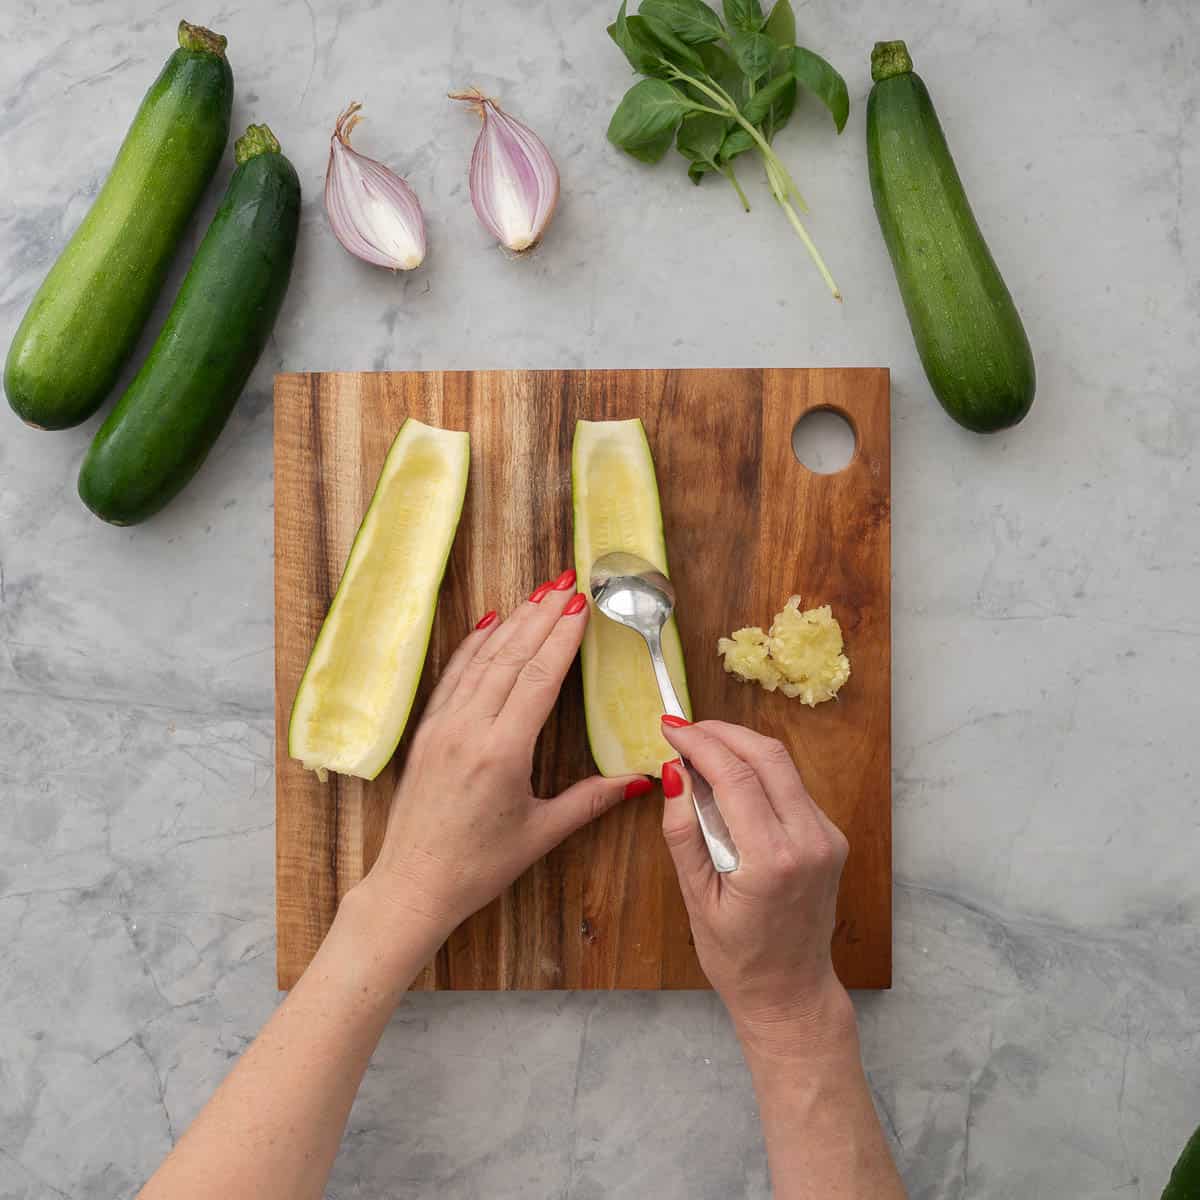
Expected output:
(718, 89)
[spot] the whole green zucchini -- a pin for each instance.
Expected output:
(967, 329)
(85, 318)
(164, 425)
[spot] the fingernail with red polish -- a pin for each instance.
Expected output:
(672, 780)
(564, 581)
(539, 593)
(486, 619)
(576, 604)
(674, 722)
(639, 787)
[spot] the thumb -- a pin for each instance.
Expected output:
(583, 802)
(681, 830)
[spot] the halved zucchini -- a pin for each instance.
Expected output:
(358, 688)
(616, 508)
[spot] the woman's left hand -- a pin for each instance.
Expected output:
(464, 821)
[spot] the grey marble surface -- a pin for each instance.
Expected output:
(1043, 1036)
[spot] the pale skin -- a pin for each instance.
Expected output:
(272, 1129)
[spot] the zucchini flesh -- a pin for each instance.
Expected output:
(616, 508)
(358, 688)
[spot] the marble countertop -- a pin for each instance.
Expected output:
(1043, 1034)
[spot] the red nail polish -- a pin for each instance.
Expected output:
(539, 593)
(672, 780)
(564, 581)
(576, 604)
(674, 722)
(486, 619)
(638, 787)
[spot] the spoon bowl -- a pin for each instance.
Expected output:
(629, 590)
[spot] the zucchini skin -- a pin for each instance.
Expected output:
(163, 427)
(1184, 1183)
(967, 329)
(85, 319)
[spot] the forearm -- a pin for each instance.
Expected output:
(823, 1138)
(273, 1128)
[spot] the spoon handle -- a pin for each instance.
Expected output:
(717, 837)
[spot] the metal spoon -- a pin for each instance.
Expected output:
(629, 590)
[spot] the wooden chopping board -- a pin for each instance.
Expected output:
(746, 526)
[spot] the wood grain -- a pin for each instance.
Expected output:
(746, 526)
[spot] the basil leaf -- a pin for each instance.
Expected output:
(781, 24)
(737, 141)
(700, 137)
(722, 68)
(691, 20)
(653, 151)
(758, 108)
(743, 15)
(811, 71)
(647, 117)
(697, 171)
(638, 46)
(675, 49)
(753, 53)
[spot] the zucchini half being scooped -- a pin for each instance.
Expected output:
(616, 508)
(358, 688)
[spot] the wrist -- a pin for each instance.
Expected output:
(806, 1025)
(387, 940)
(417, 888)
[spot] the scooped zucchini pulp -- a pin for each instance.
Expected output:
(801, 654)
(616, 508)
(358, 688)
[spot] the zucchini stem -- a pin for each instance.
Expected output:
(888, 59)
(258, 139)
(201, 40)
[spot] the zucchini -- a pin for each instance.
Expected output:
(357, 691)
(85, 318)
(1184, 1183)
(164, 425)
(617, 508)
(967, 329)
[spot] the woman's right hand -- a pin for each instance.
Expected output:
(762, 932)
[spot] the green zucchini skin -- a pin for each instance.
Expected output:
(1184, 1183)
(163, 427)
(86, 317)
(966, 327)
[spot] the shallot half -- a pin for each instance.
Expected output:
(372, 211)
(514, 182)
